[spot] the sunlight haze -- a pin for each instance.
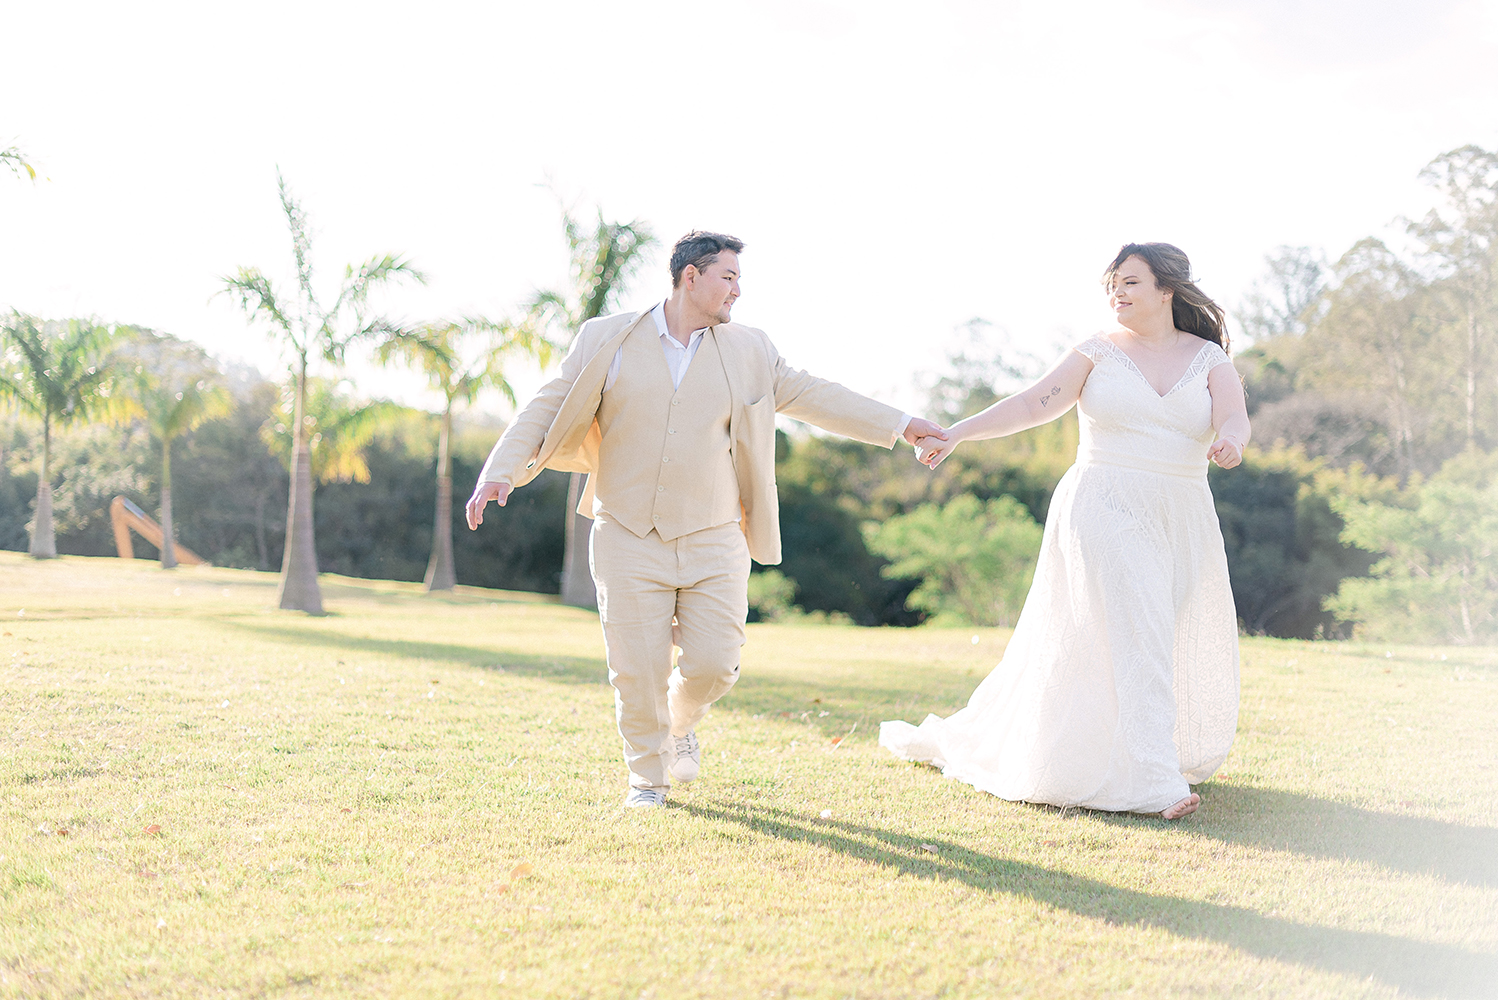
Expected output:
(895, 169)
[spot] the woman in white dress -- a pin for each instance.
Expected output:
(1119, 689)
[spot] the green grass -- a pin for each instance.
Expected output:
(343, 801)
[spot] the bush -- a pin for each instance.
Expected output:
(975, 559)
(1285, 550)
(1437, 580)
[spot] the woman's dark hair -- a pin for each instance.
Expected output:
(1191, 309)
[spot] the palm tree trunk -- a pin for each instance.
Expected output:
(168, 547)
(43, 540)
(578, 588)
(440, 574)
(299, 589)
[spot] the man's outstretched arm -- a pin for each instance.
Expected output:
(836, 408)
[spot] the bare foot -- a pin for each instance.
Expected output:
(1185, 807)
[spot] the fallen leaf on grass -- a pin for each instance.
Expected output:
(345, 809)
(522, 870)
(146, 874)
(153, 828)
(502, 889)
(61, 832)
(7, 633)
(1048, 843)
(929, 848)
(836, 740)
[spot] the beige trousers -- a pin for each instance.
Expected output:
(701, 580)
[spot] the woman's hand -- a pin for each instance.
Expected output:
(1226, 452)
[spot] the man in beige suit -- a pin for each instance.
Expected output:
(671, 412)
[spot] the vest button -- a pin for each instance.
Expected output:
(657, 517)
(665, 460)
(672, 431)
(660, 489)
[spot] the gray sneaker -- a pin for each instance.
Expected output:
(688, 757)
(644, 798)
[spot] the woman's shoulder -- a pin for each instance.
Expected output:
(1096, 346)
(1211, 355)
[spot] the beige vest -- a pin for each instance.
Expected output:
(684, 430)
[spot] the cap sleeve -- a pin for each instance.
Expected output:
(1092, 348)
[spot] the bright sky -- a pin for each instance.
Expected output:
(895, 168)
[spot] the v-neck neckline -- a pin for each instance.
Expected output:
(1145, 378)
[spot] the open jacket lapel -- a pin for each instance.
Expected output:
(571, 444)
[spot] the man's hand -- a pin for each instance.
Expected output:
(919, 428)
(482, 494)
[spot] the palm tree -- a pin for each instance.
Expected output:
(62, 373)
(439, 350)
(310, 329)
(173, 384)
(336, 429)
(604, 258)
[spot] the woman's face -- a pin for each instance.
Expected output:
(1137, 300)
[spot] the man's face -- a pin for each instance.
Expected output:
(712, 292)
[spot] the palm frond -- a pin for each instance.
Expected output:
(301, 239)
(256, 296)
(16, 160)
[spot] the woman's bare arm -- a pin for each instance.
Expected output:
(1047, 398)
(1229, 416)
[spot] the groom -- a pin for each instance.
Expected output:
(671, 412)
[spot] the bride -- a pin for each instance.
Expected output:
(1119, 689)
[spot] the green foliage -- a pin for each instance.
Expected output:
(60, 372)
(337, 427)
(461, 358)
(603, 259)
(975, 559)
(172, 382)
(14, 158)
(1284, 542)
(772, 596)
(300, 320)
(1437, 580)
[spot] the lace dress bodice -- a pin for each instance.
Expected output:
(1124, 421)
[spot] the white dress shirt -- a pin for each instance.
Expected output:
(678, 357)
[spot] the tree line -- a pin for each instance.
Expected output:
(1368, 505)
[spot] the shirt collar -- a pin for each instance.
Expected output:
(659, 314)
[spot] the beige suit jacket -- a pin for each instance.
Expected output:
(557, 428)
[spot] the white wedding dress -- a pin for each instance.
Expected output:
(1119, 688)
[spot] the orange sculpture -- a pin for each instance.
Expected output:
(125, 516)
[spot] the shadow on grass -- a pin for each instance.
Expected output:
(1414, 967)
(1270, 819)
(568, 669)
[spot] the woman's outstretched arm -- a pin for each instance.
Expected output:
(1229, 416)
(1047, 398)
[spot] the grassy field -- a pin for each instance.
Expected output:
(419, 796)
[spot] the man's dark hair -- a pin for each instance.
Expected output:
(700, 250)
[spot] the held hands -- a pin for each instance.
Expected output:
(932, 451)
(1226, 452)
(919, 428)
(482, 494)
(926, 437)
